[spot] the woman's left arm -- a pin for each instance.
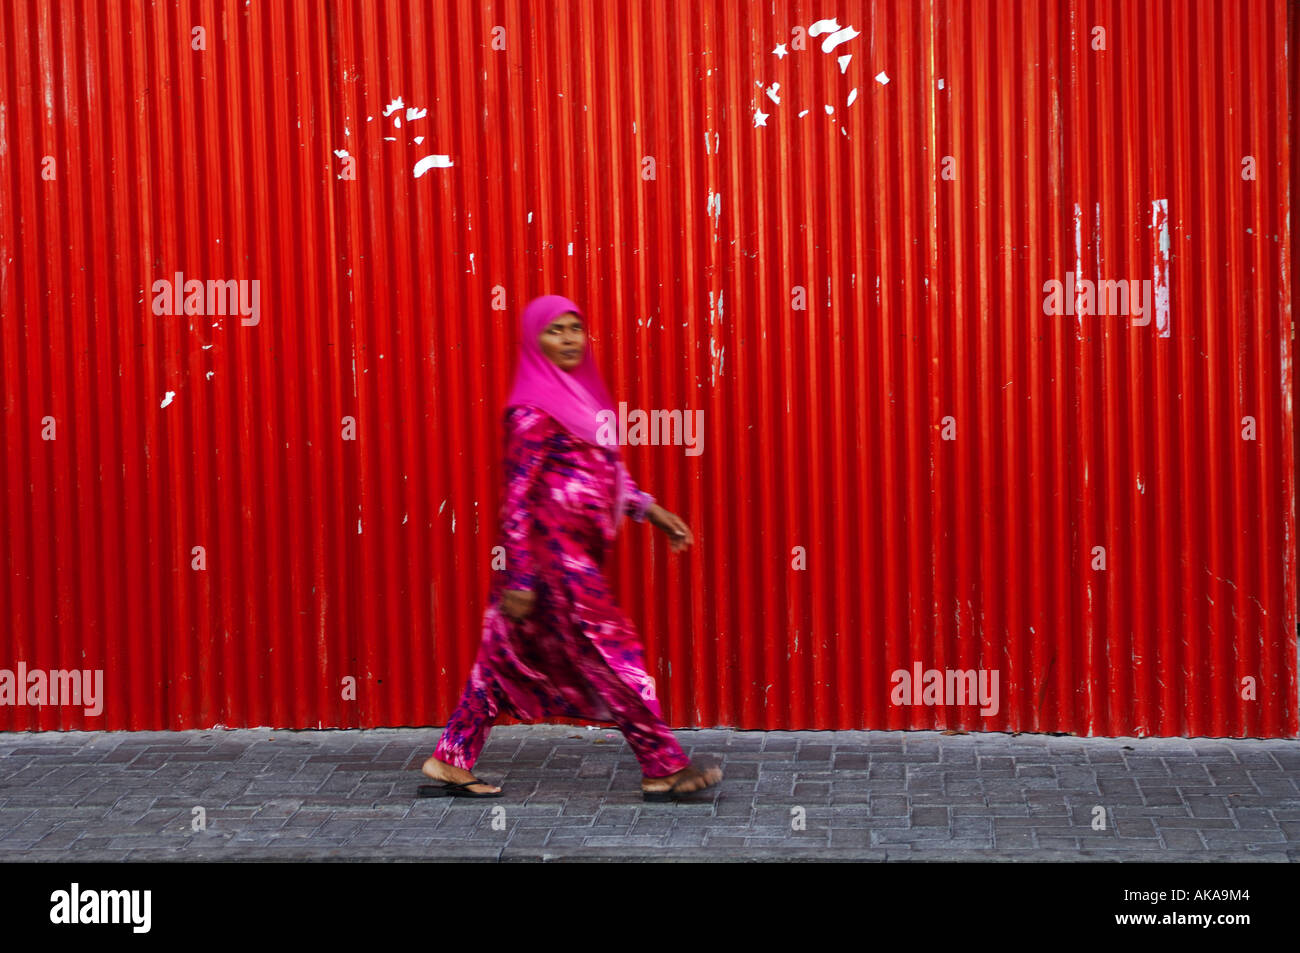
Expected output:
(636, 502)
(641, 506)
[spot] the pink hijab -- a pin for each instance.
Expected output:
(574, 397)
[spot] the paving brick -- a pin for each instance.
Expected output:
(930, 817)
(1134, 826)
(58, 839)
(625, 841)
(991, 810)
(555, 822)
(529, 837)
(885, 806)
(369, 837)
(1058, 842)
(1117, 785)
(1214, 839)
(1207, 806)
(1198, 823)
(725, 840)
(1182, 840)
(1013, 839)
(1255, 819)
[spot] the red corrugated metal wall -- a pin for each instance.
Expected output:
(914, 469)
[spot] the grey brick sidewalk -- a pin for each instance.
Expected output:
(573, 793)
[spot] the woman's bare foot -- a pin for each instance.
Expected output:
(442, 771)
(688, 779)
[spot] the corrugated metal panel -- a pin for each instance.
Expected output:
(391, 299)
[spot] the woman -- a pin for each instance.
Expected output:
(555, 642)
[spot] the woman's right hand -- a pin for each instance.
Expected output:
(518, 603)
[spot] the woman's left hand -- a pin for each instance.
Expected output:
(679, 534)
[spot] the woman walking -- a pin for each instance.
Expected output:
(555, 642)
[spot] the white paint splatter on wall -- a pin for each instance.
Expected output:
(432, 162)
(714, 208)
(1078, 253)
(838, 37)
(1160, 280)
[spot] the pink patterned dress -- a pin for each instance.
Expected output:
(576, 655)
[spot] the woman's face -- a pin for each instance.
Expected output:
(564, 341)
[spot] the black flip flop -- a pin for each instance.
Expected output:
(455, 790)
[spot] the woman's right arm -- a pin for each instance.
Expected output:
(527, 447)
